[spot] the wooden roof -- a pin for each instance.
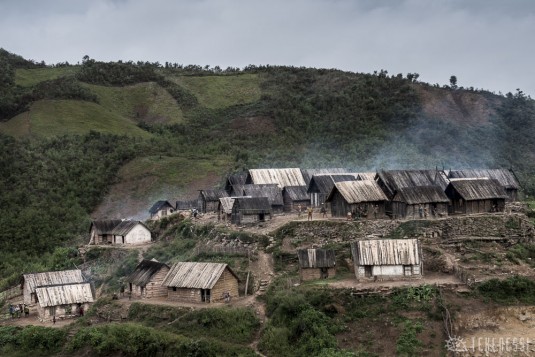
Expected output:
(252, 205)
(421, 194)
(297, 193)
(316, 258)
(363, 176)
(186, 205)
(280, 177)
(358, 191)
(126, 226)
(144, 272)
(53, 278)
(159, 205)
(396, 179)
(226, 204)
(308, 173)
(325, 183)
(237, 179)
(195, 275)
(477, 189)
(505, 177)
(271, 191)
(104, 226)
(386, 252)
(213, 195)
(65, 294)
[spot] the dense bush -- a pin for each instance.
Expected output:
(515, 289)
(31, 340)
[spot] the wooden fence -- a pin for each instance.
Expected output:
(223, 250)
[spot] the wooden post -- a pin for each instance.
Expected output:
(247, 282)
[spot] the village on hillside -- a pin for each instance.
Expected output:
(262, 197)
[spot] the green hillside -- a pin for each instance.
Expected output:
(27, 77)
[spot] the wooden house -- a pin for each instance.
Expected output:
(420, 202)
(295, 196)
(209, 200)
(32, 281)
(364, 199)
(271, 191)
(146, 280)
(316, 264)
(391, 181)
(506, 178)
(225, 208)
(160, 210)
(234, 184)
(320, 186)
(387, 259)
(309, 173)
(469, 196)
(200, 282)
(280, 177)
(119, 232)
(186, 205)
(250, 210)
(63, 300)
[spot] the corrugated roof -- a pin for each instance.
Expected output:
(308, 173)
(316, 258)
(421, 194)
(325, 183)
(226, 204)
(271, 191)
(66, 294)
(213, 195)
(386, 252)
(159, 205)
(396, 179)
(195, 275)
(53, 278)
(144, 271)
(363, 176)
(252, 205)
(280, 177)
(477, 189)
(125, 226)
(505, 177)
(104, 226)
(297, 193)
(358, 191)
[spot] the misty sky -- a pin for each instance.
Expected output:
(486, 43)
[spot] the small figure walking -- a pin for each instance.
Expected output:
(26, 310)
(11, 311)
(309, 213)
(421, 211)
(375, 209)
(54, 319)
(298, 211)
(323, 211)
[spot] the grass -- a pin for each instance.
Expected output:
(222, 91)
(30, 77)
(48, 118)
(145, 101)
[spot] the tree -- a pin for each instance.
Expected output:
(453, 82)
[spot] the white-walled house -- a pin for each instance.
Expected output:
(119, 232)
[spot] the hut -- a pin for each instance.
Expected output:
(363, 199)
(63, 300)
(391, 181)
(234, 184)
(280, 177)
(200, 282)
(225, 208)
(420, 202)
(250, 210)
(161, 209)
(209, 200)
(469, 196)
(119, 232)
(309, 173)
(186, 205)
(506, 178)
(316, 264)
(32, 281)
(320, 186)
(271, 191)
(295, 196)
(387, 259)
(146, 280)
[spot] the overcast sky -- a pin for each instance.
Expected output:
(486, 43)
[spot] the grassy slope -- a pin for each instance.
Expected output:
(222, 91)
(30, 77)
(144, 101)
(57, 117)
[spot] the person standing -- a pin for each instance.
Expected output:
(323, 211)
(309, 213)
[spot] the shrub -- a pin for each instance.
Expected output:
(516, 289)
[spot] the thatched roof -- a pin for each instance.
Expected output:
(316, 258)
(186, 205)
(396, 179)
(104, 226)
(297, 193)
(271, 191)
(325, 183)
(65, 294)
(144, 272)
(386, 252)
(226, 204)
(280, 177)
(160, 205)
(358, 191)
(252, 205)
(126, 226)
(213, 195)
(308, 173)
(477, 189)
(53, 278)
(421, 194)
(505, 177)
(195, 275)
